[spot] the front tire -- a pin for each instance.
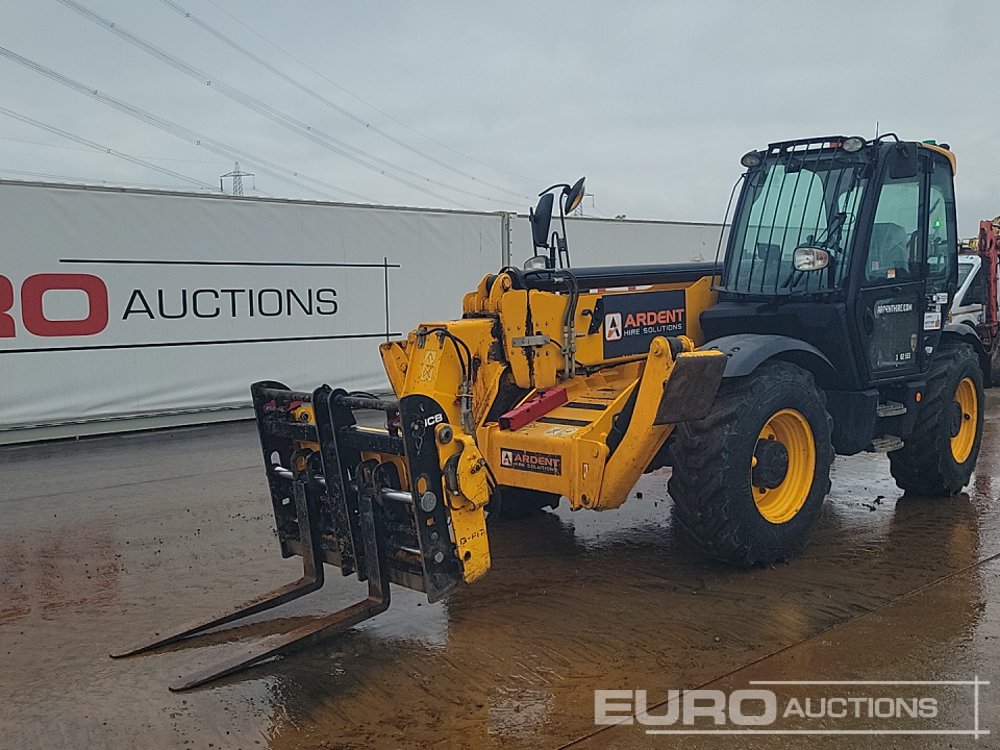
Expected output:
(749, 479)
(938, 457)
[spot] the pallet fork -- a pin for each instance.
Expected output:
(332, 507)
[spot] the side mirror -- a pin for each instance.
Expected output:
(903, 161)
(541, 220)
(574, 196)
(810, 259)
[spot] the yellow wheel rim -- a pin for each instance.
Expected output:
(966, 398)
(781, 503)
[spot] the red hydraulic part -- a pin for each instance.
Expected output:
(989, 250)
(537, 406)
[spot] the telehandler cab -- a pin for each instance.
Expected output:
(821, 331)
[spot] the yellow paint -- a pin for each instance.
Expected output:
(465, 505)
(394, 360)
(947, 153)
(643, 438)
(427, 368)
(968, 402)
(782, 503)
(571, 445)
(513, 308)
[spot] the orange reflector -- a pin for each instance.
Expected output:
(919, 396)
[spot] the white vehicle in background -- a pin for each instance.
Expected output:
(969, 304)
(977, 298)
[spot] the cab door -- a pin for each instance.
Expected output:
(889, 305)
(941, 267)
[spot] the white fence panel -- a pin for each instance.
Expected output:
(611, 242)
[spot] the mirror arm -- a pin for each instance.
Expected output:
(562, 185)
(562, 222)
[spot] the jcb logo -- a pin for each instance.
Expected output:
(613, 326)
(31, 310)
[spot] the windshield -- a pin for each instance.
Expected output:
(795, 199)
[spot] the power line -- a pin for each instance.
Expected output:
(281, 118)
(45, 144)
(205, 26)
(105, 149)
(307, 66)
(216, 162)
(88, 180)
(263, 165)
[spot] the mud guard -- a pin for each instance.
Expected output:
(745, 352)
(691, 388)
(968, 335)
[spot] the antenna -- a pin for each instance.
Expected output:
(237, 176)
(876, 130)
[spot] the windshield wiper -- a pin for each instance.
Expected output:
(834, 231)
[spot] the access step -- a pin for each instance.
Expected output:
(891, 409)
(885, 444)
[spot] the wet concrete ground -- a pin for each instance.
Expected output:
(107, 540)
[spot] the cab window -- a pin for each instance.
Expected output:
(942, 244)
(892, 252)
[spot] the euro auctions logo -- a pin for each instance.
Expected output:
(29, 307)
(102, 304)
(73, 305)
(792, 707)
(25, 306)
(686, 707)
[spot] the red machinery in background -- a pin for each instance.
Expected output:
(988, 250)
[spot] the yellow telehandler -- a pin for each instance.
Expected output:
(823, 329)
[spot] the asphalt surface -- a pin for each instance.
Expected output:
(104, 541)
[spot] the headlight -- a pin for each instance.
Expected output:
(810, 259)
(536, 263)
(751, 159)
(853, 144)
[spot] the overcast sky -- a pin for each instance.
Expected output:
(483, 104)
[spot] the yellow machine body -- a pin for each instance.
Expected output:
(519, 342)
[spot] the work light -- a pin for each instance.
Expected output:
(853, 144)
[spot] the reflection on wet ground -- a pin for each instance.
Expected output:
(104, 541)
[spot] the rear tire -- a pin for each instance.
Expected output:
(730, 493)
(938, 457)
(517, 503)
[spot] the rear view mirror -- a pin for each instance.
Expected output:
(574, 196)
(541, 220)
(903, 161)
(810, 259)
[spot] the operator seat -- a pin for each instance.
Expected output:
(889, 249)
